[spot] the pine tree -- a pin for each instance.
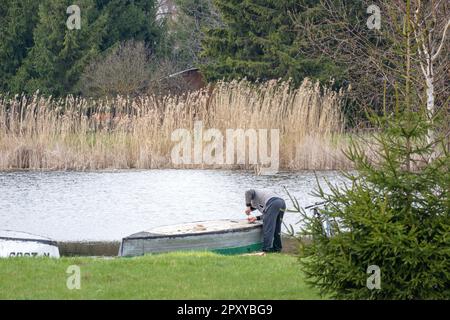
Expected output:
(261, 40)
(131, 20)
(394, 213)
(58, 56)
(17, 21)
(256, 41)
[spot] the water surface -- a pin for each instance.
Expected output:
(75, 206)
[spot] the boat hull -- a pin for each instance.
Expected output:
(20, 244)
(227, 241)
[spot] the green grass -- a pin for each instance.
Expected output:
(165, 276)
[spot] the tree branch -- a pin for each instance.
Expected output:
(442, 41)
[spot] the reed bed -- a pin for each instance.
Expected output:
(73, 133)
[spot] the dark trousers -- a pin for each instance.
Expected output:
(272, 220)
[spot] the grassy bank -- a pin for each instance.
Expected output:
(121, 133)
(165, 276)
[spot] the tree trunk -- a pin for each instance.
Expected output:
(430, 97)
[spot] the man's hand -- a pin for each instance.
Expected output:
(251, 219)
(248, 211)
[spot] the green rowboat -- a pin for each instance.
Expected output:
(221, 236)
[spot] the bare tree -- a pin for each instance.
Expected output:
(187, 29)
(337, 29)
(125, 71)
(430, 27)
(371, 56)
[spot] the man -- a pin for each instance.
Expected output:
(272, 208)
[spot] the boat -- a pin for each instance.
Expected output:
(220, 236)
(23, 244)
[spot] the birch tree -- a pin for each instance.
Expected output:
(430, 27)
(373, 56)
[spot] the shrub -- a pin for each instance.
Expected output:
(125, 71)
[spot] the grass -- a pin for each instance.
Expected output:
(82, 134)
(166, 276)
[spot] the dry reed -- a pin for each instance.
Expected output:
(82, 134)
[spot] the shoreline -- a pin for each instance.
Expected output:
(112, 170)
(111, 248)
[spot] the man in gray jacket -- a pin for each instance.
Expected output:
(272, 208)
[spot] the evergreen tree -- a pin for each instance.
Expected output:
(256, 41)
(58, 56)
(17, 21)
(131, 19)
(47, 56)
(313, 63)
(394, 214)
(260, 40)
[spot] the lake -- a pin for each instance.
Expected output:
(108, 205)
